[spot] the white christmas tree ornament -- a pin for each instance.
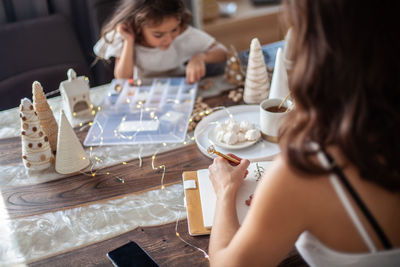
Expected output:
(256, 86)
(45, 114)
(279, 84)
(36, 151)
(71, 157)
(288, 50)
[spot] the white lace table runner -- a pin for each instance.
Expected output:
(35, 237)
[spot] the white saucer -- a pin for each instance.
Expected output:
(260, 151)
(212, 137)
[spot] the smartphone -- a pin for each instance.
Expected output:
(131, 255)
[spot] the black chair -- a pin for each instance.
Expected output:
(41, 49)
(42, 39)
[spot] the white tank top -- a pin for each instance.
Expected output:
(316, 253)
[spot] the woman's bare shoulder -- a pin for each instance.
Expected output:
(284, 172)
(296, 190)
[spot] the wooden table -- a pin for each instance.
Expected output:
(160, 242)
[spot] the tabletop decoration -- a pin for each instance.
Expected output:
(76, 98)
(36, 151)
(200, 110)
(236, 95)
(45, 114)
(279, 83)
(288, 50)
(71, 157)
(233, 70)
(257, 83)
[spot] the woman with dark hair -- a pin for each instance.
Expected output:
(154, 38)
(334, 191)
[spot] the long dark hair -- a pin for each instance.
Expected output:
(346, 86)
(139, 12)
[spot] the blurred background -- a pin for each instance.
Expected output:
(41, 39)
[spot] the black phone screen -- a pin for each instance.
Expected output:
(131, 254)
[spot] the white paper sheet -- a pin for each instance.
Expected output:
(208, 198)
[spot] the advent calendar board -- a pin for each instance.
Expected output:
(157, 111)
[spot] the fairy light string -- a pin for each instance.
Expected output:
(98, 161)
(186, 242)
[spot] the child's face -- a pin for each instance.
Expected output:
(162, 35)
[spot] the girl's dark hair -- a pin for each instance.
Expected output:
(139, 12)
(345, 83)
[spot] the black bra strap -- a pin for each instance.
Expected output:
(385, 241)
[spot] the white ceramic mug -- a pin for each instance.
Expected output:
(271, 121)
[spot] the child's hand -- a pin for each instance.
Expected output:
(226, 177)
(126, 31)
(196, 68)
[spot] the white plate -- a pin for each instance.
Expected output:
(260, 151)
(212, 138)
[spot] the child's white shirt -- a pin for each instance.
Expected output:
(152, 62)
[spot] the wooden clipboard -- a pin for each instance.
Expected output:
(193, 206)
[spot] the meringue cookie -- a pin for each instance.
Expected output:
(252, 134)
(220, 136)
(245, 126)
(220, 127)
(230, 138)
(241, 137)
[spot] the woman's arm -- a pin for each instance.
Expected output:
(124, 65)
(226, 181)
(276, 218)
(196, 67)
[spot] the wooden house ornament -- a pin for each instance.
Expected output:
(75, 95)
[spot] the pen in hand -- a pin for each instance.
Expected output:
(211, 150)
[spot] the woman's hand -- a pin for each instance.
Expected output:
(196, 68)
(126, 30)
(226, 177)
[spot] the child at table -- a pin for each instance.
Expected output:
(335, 190)
(154, 37)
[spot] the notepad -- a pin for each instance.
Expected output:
(207, 197)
